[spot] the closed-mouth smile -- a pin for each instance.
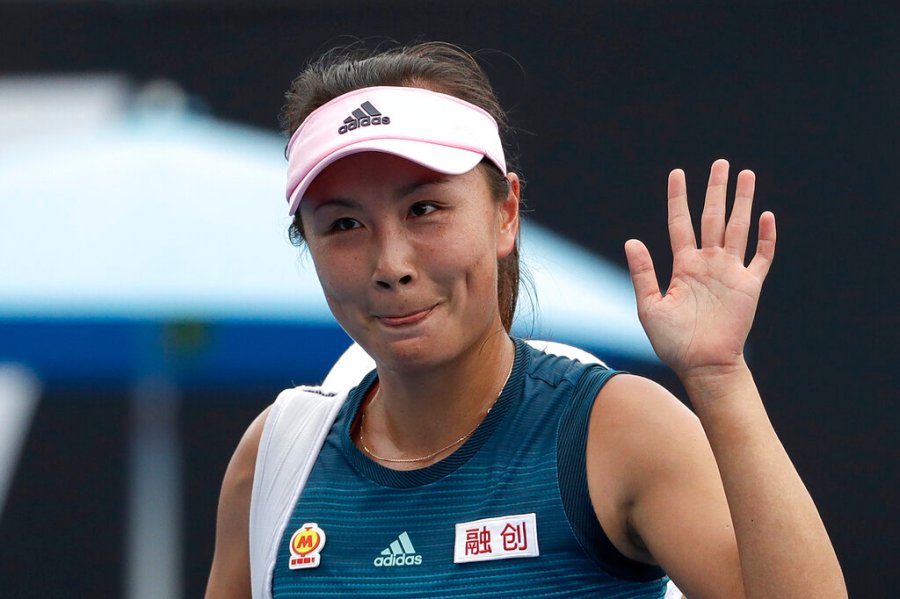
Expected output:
(409, 318)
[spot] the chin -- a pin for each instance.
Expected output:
(406, 353)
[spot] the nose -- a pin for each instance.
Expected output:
(393, 261)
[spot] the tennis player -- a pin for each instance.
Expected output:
(469, 463)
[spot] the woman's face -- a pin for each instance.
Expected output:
(407, 257)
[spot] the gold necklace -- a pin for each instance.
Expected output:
(362, 424)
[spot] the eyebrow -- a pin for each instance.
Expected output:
(416, 185)
(340, 202)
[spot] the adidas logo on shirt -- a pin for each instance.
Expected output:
(399, 553)
(363, 116)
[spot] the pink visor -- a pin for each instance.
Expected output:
(438, 131)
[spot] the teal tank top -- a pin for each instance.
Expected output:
(506, 515)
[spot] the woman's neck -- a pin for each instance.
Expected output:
(410, 416)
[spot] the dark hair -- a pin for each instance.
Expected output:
(436, 66)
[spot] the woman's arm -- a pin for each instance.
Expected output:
(229, 577)
(714, 499)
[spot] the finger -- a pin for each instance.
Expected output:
(712, 221)
(643, 275)
(765, 247)
(739, 222)
(681, 230)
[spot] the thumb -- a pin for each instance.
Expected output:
(643, 275)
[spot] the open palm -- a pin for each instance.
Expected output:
(705, 315)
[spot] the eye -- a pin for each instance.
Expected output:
(422, 208)
(345, 224)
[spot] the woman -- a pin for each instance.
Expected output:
(469, 463)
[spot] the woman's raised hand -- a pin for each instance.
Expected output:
(701, 323)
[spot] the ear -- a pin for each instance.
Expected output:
(508, 211)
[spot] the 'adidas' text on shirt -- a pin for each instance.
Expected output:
(399, 553)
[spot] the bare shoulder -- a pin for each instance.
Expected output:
(239, 474)
(632, 424)
(229, 576)
(637, 427)
(634, 400)
(655, 485)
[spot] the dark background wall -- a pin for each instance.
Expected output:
(608, 97)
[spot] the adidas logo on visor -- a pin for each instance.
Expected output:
(399, 553)
(363, 116)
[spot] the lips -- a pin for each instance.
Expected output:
(409, 318)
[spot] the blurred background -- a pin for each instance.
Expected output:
(151, 304)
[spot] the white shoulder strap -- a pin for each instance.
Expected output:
(293, 434)
(567, 351)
